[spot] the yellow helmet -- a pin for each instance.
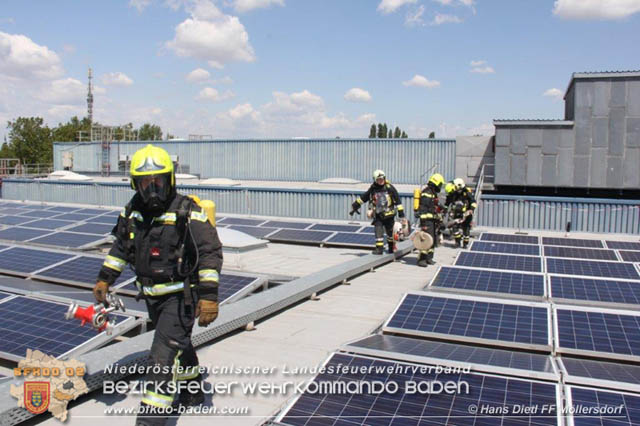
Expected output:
(152, 175)
(449, 187)
(436, 180)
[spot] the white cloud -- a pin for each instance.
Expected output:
(389, 6)
(440, 19)
(554, 93)
(211, 36)
(357, 95)
(241, 111)
(116, 79)
(421, 81)
(198, 75)
(481, 67)
(140, 5)
(64, 112)
(248, 5)
(64, 91)
(21, 58)
(211, 94)
(414, 18)
(595, 9)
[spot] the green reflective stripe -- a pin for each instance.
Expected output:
(137, 215)
(208, 275)
(161, 289)
(200, 216)
(359, 200)
(157, 400)
(426, 216)
(189, 373)
(400, 207)
(114, 263)
(426, 194)
(166, 216)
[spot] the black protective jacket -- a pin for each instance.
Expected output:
(384, 198)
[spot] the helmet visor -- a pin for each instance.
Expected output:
(152, 186)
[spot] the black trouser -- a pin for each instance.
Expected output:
(429, 226)
(383, 224)
(172, 353)
(463, 228)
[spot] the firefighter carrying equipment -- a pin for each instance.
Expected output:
(384, 200)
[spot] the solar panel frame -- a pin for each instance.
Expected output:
(91, 228)
(505, 248)
(334, 227)
(244, 221)
(381, 409)
(472, 258)
(57, 273)
(629, 255)
(254, 231)
(510, 238)
(623, 245)
(432, 286)
(297, 235)
(66, 239)
(368, 229)
(593, 353)
(442, 353)
(63, 209)
(11, 220)
(608, 285)
(612, 375)
(20, 256)
(386, 328)
(580, 253)
(40, 214)
(75, 217)
(17, 233)
(608, 398)
(287, 224)
(48, 224)
(357, 239)
(630, 272)
(572, 242)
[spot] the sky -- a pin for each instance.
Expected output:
(306, 68)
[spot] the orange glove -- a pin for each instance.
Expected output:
(100, 291)
(207, 311)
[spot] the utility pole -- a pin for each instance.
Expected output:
(90, 100)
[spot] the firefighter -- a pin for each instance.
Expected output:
(461, 205)
(177, 256)
(427, 211)
(384, 201)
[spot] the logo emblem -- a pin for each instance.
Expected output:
(149, 165)
(36, 396)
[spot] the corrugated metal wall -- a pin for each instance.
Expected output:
(404, 160)
(541, 213)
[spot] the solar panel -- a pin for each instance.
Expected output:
(489, 281)
(14, 211)
(297, 235)
(599, 373)
(24, 260)
(92, 228)
(48, 224)
(68, 239)
(591, 268)
(27, 323)
(319, 405)
(499, 261)
(630, 256)
(284, 224)
(595, 290)
(43, 214)
(606, 408)
(623, 245)
(83, 270)
(507, 238)
(90, 211)
(63, 209)
(571, 242)
(352, 238)
(509, 248)
(21, 234)
(75, 217)
(579, 253)
(472, 319)
(15, 220)
(598, 333)
(241, 221)
(337, 228)
(368, 230)
(486, 360)
(109, 220)
(231, 284)
(254, 231)
(4, 295)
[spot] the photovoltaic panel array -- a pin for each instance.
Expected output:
(464, 319)
(41, 214)
(231, 284)
(83, 269)
(285, 224)
(630, 256)
(507, 238)
(600, 333)
(336, 228)
(402, 408)
(48, 224)
(92, 228)
(68, 239)
(352, 238)
(15, 220)
(4, 295)
(597, 405)
(508, 248)
(499, 261)
(26, 260)
(623, 245)
(27, 323)
(592, 268)
(254, 231)
(241, 221)
(580, 253)
(523, 364)
(614, 375)
(595, 290)
(571, 242)
(489, 281)
(296, 235)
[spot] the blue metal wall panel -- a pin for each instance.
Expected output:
(535, 213)
(404, 160)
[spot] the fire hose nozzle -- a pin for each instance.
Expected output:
(96, 315)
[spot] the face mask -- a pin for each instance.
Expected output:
(154, 191)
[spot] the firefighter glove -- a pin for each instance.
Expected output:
(206, 312)
(355, 206)
(401, 214)
(100, 291)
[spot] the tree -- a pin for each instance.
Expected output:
(385, 130)
(30, 140)
(372, 131)
(5, 151)
(404, 135)
(390, 134)
(381, 131)
(150, 132)
(432, 135)
(396, 133)
(68, 132)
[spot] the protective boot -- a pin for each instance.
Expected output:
(429, 259)
(392, 246)
(422, 260)
(465, 243)
(377, 250)
(457, 239)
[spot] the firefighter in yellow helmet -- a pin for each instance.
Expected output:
(384, 201)
(428, 212)
(461, 205)
(177, 257)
